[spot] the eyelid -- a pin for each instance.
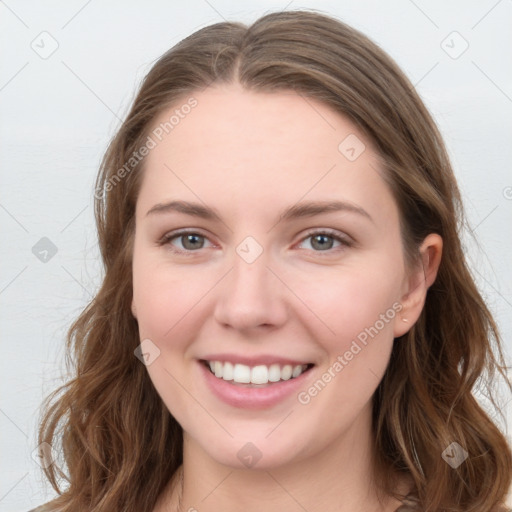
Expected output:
(345, 240)
(168, 237)
(339, 235)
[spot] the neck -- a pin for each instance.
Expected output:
(340, 478)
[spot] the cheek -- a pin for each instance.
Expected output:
(165, 305)
(163, 297)
(346, 302)
(360, 307)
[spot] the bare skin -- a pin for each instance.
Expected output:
(250, 156)
(169, 500)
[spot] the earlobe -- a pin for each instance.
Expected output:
(134, 310)
(418, 283)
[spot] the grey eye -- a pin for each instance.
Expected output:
(322, 242)
(192, 241)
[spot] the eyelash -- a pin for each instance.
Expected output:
(345, 243)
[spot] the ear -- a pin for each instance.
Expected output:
(417, 283)
(134, 309)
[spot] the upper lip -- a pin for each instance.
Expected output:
(263, 359)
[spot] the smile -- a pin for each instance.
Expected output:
(257, 375)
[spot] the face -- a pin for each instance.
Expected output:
(251, 285)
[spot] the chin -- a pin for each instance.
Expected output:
(254, 452)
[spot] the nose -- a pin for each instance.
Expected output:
(251, 296)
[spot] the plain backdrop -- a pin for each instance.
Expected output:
(68, 73)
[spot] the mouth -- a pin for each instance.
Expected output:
(255, 376)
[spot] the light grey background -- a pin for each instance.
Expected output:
(58, 112)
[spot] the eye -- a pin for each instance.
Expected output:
(190, 241)
(322, 241)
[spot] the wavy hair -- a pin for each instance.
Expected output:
(118, 442)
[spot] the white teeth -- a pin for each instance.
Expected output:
(274, 373)
(286, 372)
(297, 370)
(227, 371)
(260, 374)
(242, 374)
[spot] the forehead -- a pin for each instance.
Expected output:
(257, 150)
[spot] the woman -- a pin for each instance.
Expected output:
(287, 320)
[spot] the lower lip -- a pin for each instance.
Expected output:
(252, 398)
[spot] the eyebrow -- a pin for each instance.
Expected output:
(304, 209)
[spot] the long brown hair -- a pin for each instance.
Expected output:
(118, 441)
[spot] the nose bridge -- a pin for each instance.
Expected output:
(250, 294)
